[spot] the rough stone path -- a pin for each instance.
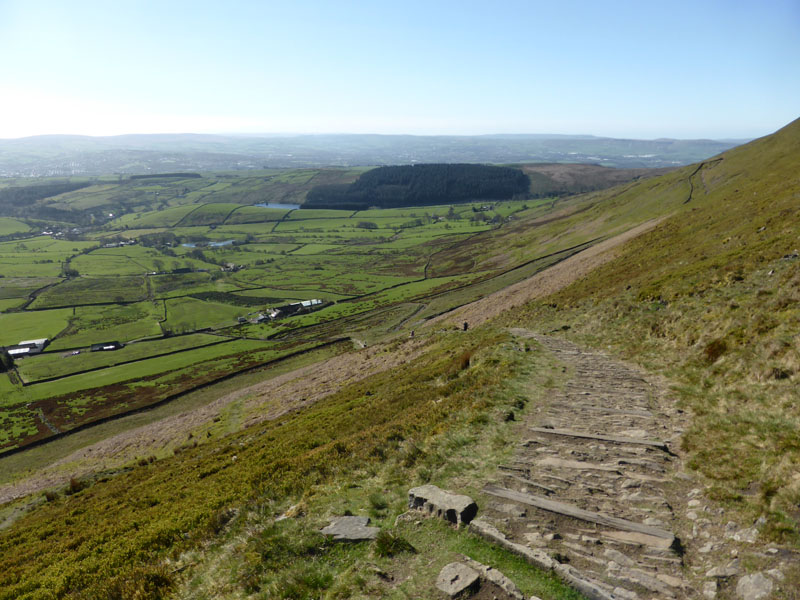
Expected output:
(593, 482)
(597, 485)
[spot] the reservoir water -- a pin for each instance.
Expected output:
(278, 205)
(210, 244)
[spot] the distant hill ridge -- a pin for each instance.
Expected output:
(83, 155)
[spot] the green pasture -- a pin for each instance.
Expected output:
(93, 290)
(439, 228)
(255, 214)
(114, 261)
(408, 292)
(21, 287)
(37, 257)
(94, 324)
(175, 285)
(317, 224)
(304, 232)
(20, 265)
(9, 226)
(316, 249)
(38, 254)
(508, 208)
(188, 314)
(19, 326)
(267, 247)
(128, 234)
(291, 295)
(207, 214)
(298, 176)
(305, 214)
(239, 255)
(242, 230)
(6, 390)
(138, 370)
(45, 366)
(83, 199)
(167, 217)
(10, 303)
(407, 213)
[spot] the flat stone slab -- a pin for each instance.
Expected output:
(455, 508)
(646, 534)
(456, 579)
(350, 529)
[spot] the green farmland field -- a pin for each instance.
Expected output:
(10, 226)
(207, 258)
(45, 366)
(124, 323)
(93, 290)
(15, 327)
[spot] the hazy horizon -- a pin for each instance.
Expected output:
(631, 71)
(289, 134)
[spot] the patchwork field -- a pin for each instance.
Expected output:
(178, 269)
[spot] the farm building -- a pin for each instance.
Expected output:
(295, 308)
(106, 346)
(36, 346)
(27, 347)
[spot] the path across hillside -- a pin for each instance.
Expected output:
(597, 483)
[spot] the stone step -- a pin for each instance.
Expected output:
(628, 530)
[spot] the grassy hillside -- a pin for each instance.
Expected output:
(710, 298)
(131, 534)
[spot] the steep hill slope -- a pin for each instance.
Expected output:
(710, 297)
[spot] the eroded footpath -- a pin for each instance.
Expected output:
(598, 484)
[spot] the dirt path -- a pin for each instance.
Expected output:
(598, 483)
(542, 284)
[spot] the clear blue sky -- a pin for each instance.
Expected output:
(641, 69)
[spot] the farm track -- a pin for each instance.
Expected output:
(543, 283)
(33, 295)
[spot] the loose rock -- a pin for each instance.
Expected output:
(351, 529)
(754, 587)
(456, 579)
(710, 590)
(455, 508)
(496, 577)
